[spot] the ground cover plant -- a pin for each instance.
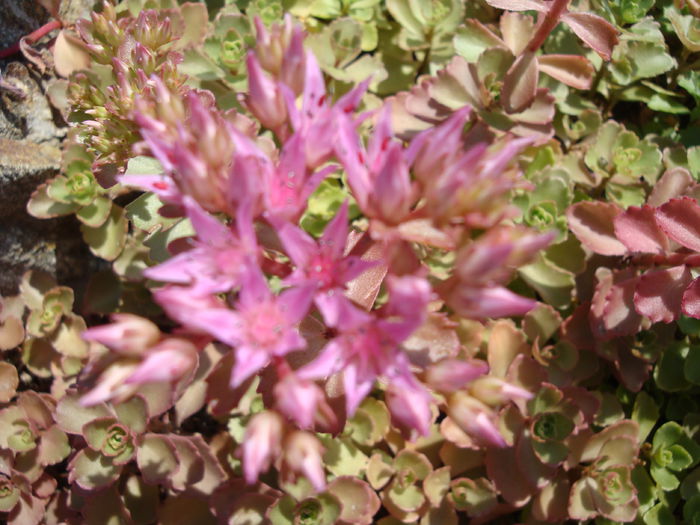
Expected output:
(365, 262)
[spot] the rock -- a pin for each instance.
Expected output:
(31, 131)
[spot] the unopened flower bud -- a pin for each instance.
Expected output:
(450, 375)
(475, 418)
(303, 454)
(495, 392)
(262, 444)
(128, 334)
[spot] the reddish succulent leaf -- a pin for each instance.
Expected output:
(691, 300)
(520, 83)
(502, 467)
(573, 70)
(639, 232)
(576, 329)
(592, 222)
(364, 288)
(620, 317)
(630, 369)
(680, 219)
(607, 301)
(659, 293)
(595, 31)
(672, 184)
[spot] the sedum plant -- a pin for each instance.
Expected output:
(364, 262)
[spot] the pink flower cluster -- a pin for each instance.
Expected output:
(244, 195)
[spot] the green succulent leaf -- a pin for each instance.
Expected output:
(691, 367)
(107, 240)
(9, 495)
(42, 206)
(646, 413)
(669, 371)
(473, 496)
(342, 457)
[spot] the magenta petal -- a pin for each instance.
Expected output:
(161, 185)
(356, 388)
(327, 363)
(299, 245)
(338, 310)
(680, 219)
(254, 288)
(409, 404)
(248, 361)
(691, 300)
(178, 269)
(392, 190)
(637, 229)
(314, 97)
(450, 375)
(659, 293)
(208, 228)
(348, 102)
(223, 324)
(336, 232)
(350, 154)
(295, 302)
(381, 139)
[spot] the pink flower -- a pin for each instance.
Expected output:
(192, 141)
(219, 257)
(317, 118)
(463, 179)
(288, 182)
(367, 346)
(379, 175)
(262, 326)
(322, 264)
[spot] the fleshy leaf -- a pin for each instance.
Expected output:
(593, 224)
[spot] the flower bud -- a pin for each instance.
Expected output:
(495, 392)
(262, 444)
(264, 98)
(303, 454)
(128, 334)
(475, 418)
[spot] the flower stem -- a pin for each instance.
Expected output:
(31, 37)
(551, 19)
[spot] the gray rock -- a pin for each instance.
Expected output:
(31, 132)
